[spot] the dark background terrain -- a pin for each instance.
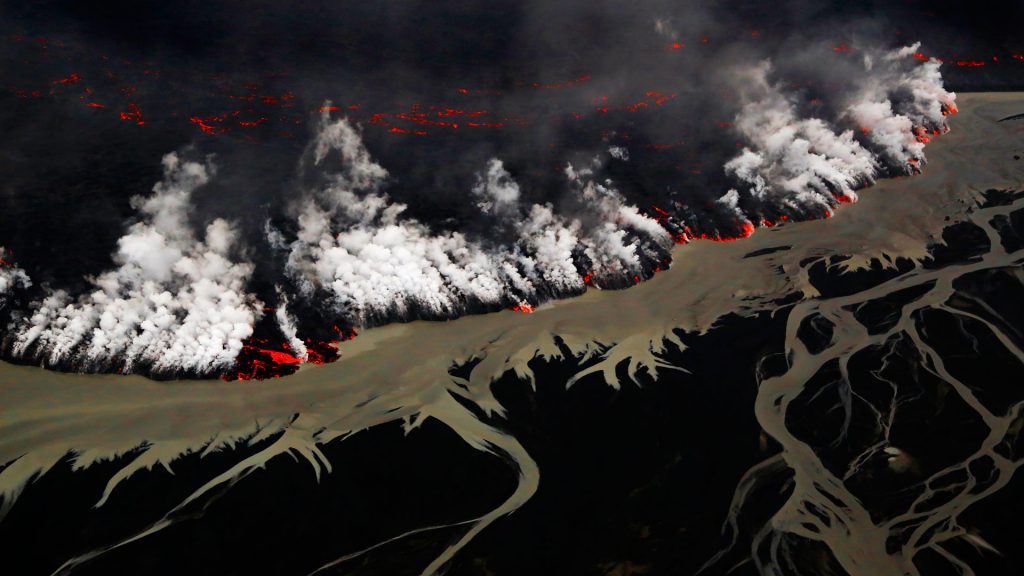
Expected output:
(634, 481)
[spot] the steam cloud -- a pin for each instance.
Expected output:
(175, 304)
(375, 265)
(356, 251)
(797, 162)
(11, 278)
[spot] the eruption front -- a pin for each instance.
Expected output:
(353, 257)
(175, 304)
(434, 252)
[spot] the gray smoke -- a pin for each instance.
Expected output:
(794, 161)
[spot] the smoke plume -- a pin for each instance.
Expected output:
(356, 249)
(799, 162)
(567, 148)
(12, 278)
(175, 304)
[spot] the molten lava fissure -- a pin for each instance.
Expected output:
(69, 79)
(133, 113)
(209, 124)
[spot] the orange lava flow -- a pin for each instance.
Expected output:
(251, 123)
(397, 130)
(69, 79)
(261, 359)
(133, 113)
(282, 357)
(207, 124)
(746, 229)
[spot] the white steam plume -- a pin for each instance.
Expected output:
(174, 304)
(793, 161)
(898, 106)
(11, 277)
(287, 325)
(798, 162)
(375, 264)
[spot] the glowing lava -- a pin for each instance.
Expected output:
(133, 113)
(208, 124)
(261, 358)
(69, 79)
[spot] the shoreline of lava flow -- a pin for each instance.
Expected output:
(178, 301)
